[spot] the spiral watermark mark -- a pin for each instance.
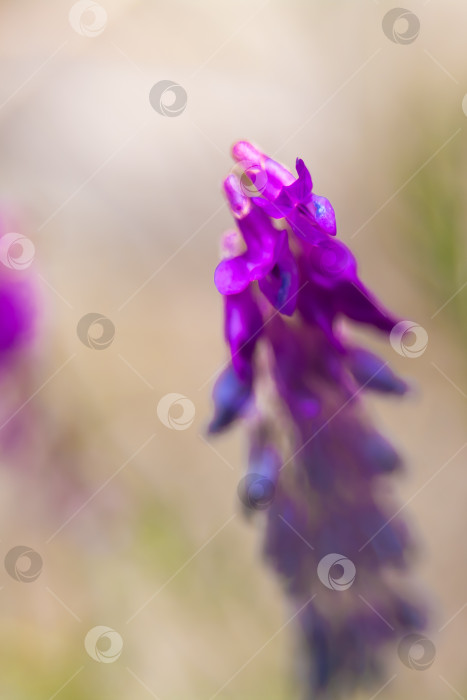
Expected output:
(252, 179)
(336, 572)
(103, 644)
(464, 105)
(16, 251)
(168, 98)
(87, 18)
(408, 339)
(256, 491)
(176, 411)
(96, 331)
(23, 564)
(401, 26)
(416, 651)
(333, 259)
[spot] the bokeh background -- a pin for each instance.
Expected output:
(138, 525)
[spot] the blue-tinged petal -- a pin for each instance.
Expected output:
(321, 651)
(322, 213)
(373, 373)
(378, 453)
(230, 395)
(304, 226)
(410, 615)
(280, 286)
(288, 553)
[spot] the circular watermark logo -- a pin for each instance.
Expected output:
(96, 331)
(256, 491)
(103, 644)
(336, 572)
(409, 339)
(168, 98)
(464, 105)
(16, 251)
(416, 651)
(176, 411)
(401, 26)
(23, 564)
(87, 18)
(252, 179)
(333, 258)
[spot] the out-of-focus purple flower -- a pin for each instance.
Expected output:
(17, 312)
(315, 459)
(18, 298)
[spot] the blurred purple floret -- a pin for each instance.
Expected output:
(18, 294)
(317, 466)
(16, 313)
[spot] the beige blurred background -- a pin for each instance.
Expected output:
(138, 525)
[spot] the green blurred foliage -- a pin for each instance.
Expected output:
(434, 226)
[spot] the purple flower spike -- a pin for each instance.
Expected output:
(315, 460)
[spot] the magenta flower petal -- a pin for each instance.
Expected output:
(355, 301)
(244, 150)
(238, 201)
(243, 325)
(18, 311)
(304, 225)
(270, 208)
(329, 262)
(15, 315)
(278, 175)
(300, 190)
(262, 241)
(232, 276)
